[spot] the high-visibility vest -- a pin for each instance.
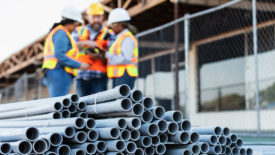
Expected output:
(102, 40)
(115, 71)
(50, 60)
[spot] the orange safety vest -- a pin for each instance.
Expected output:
(50, 60)
(115, 71)
(101, 42)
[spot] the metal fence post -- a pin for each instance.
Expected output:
(255, 50)
(186, 54)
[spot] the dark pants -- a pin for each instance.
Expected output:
(58, 82)
(125, 79)
(92, 86)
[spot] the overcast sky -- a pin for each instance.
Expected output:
(24, 21)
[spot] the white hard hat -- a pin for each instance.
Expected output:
(118, 15)
(71, 12)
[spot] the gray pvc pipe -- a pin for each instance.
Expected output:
(125, 135)
(239, 142)
(226, 131)
(89, 148)
(144, 141)
(114, 153)
(66, 131)
(147, 102)
(235, 151)
(194, 148)
(149, 129)
(233, 138)
(52, 115)
(211, 130)
(108, 133)
(158, 112)
(160, 149)
(115, 145)
(162, 124)
(77, 152)
(66, 114)
(216, 149)
(39, 146)
(222, 140)
(79, 137)
(147, 116)
(194, 137)
(75, 122)
(108, 95)
(249, 151)
(114, 122)
(185, 125)
(72, 108)
(139, 151)
(14, 134)
(210, 139)
(204, 147)
(135, 134)
(133, 123)
(136, 96)
(21, 147)
(119, 105)
(62, 149)
(155, 140)
(55, 139)
(89, 123)
(223, 149)
(66, 102)
(5, 148)
(149, 150)
(101, 146)
(173, 128)
(131, 147)
(163, 138)
(228, 151)
(47, 142)
(136, 110)
(175, 116)
(45, 108)
(81, 106)
(181, 137)
(178, 151)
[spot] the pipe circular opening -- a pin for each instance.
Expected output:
(25, 147)
(139, 151)
(69, 132)
(204, 147)
(228, 141)
(137, 95)
(122, 123)
(195, 149)
(6, 148)
(185, 125)
(125, 135)
(136, 123)
(155, 140)
(124, 90)
(159, 112)
(213, 139)
(39, 146)
(160, 149)
(239, 142)
(80, 152)
(56, 115)
(64, 150)
(90, 148)
(120, 145)
(32, 133)
(80, 123)
(83, 115)
(233, 138)
(227, 150)
(138, 109)
(65, 114)
(235, 150)
(149, 150)
(131, 147)
(126, 104)
(222, 140)
(81, 136)
(90, 123)
(187, 152)
(177, 116)
(72, 108)
(162, 126)
(184, 137)
(226, 131)
(163, 138)
(58, 106)
(153, 129)
(148, 102)
(66, 102)
(218, 149)
(147, 141)
(114, 132)
(249, 151)
(101, 146)
(81, 106)
(93, 135)
(56, 139)
(173, 128)
(218, 130)
(135, 135)
(74, 98)
(147, 116)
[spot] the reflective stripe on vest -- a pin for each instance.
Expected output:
(49, 60)
(84, 35)
(115, 71)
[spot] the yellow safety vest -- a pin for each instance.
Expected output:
(50, 60)
(115, 71)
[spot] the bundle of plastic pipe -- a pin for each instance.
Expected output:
(116, 121)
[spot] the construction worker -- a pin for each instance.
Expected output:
(123, 54)
(93, 40)
(60, 54)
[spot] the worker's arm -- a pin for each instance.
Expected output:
(127, 50)
(61, 46)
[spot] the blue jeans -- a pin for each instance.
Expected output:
(125, 79)
(58, 82)
(92, 86)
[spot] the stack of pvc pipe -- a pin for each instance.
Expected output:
(120, 121)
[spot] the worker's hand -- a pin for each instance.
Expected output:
(84, 66)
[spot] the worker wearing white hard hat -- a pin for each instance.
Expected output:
(60, 54)
(122, 56)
